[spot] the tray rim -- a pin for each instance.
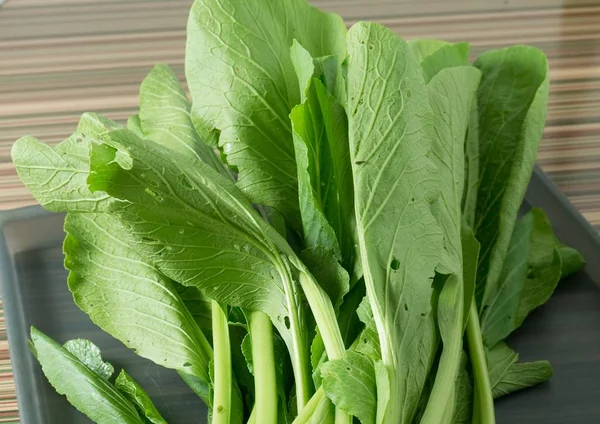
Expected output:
(19, 354)
(580, 234)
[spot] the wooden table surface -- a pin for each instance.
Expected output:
(60, 58)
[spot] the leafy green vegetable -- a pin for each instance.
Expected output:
(531, 271)
(243, 83)
(394, 183)
(165, 117)
(324, 174)
(451, 92)
(318, 235)
(116, 288)
(136, 395)
(57, 176)
(507, 376)
(86, 390)
(350, 383)
(512, 101)
(89, 354)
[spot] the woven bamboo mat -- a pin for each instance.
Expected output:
(60, 58)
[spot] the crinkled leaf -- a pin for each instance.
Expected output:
(89, 354)
(91, 394)
(243, 83)
(350, 384)
(117, 288)
(512, 98)
(136, 395)
(390, 127)
(56, 176)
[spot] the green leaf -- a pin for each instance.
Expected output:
(470, 255)
(200, 386)
(91, 394)
(542, 277)
(390, 126)
(89, 354)
(471, 167)
(197, 228)
(522, 376)
(242, 80)
(507, 376)
(350, 324)
(368, 341)
(350, 384)
(512, 98)
(331, 275)
(318, 357)
(530, 274)
(56, 176)
(451, 92)
(304, 67)
(570, 259)
(424, 47)
(165, 117)
(198, 305)
(463, 406)
(136, 395)
(324, 174)
(117, 288)
(238, 333)
(448, 56)
(134, 124)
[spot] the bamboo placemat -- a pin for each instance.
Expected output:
(60, 58)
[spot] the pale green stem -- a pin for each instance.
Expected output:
(223, 378)
(322, 309)
(309, 409)
(252, 418)
(299, 352)
(263, 361)
(483, 408)
(443, 386)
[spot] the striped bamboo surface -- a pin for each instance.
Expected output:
(60, 58)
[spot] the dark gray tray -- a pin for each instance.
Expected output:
(565, 331)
